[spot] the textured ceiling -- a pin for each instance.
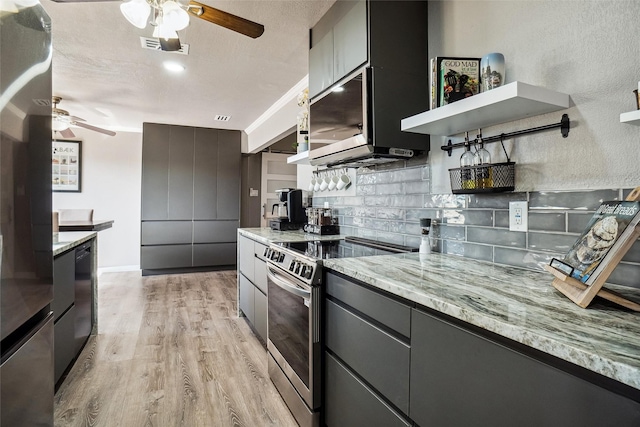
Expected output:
(106, 78)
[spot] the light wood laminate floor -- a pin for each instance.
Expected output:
(170, 351)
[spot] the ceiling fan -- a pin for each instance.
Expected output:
(170, 16)
(61, 120)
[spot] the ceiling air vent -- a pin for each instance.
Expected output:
(42, 102)
(154, 44)
(222, 118)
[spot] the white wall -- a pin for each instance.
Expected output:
(587, 49)
(111, 185)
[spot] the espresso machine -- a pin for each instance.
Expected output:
(294, 203)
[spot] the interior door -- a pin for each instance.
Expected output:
(276, 173)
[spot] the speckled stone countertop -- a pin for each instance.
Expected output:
(266, 235)
(70, 239)
(518, 304)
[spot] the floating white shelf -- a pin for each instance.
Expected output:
(507, 103)
(632, 118)
(299, 159)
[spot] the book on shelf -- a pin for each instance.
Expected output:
(453, 79)
(602, 241)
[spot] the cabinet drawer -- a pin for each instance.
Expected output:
(246, 257)
(260, 314)
(380, 359)
(247, 298)
(260, 275)
(64, 269)
(169, 256)
(387, 311)
(166, 232)
(206, 254)
(259, 249)
(64, 342)
(350, 403)
(215, 231)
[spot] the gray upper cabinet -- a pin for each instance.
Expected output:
(205, 174)
(180, 173)
(228, 183)
(155, 172)
(190, 196)
(321, 65)
(350, 41)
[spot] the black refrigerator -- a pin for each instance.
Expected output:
(26, 271)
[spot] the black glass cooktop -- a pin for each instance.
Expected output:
(351, 247)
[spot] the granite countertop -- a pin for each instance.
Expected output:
(70, 239)
(518, 304)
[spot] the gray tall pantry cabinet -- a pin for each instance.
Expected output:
(190, 197)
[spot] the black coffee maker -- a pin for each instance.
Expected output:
(297, 203)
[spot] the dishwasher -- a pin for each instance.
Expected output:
(83, 297)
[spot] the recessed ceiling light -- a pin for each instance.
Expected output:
(173, 66)
(337, 89)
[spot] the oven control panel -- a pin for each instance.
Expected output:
(297, 266)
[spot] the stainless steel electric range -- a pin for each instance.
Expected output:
(294, 280)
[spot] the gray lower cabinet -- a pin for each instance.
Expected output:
(368, 352)
(350, 402)
(459, 378)
(190, 196)
(252, 283)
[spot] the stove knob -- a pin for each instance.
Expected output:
(268, 253)
(309, 273)
(303, 270)
(297, 270)
(281, 257)
(274, 255)
(266, 250)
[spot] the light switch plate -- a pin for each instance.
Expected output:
(518, 216)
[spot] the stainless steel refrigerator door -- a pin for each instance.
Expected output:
(26, 380)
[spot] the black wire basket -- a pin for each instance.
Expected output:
(487, 178)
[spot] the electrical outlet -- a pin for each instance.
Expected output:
(518, 216)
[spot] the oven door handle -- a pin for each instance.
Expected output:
(287, 285)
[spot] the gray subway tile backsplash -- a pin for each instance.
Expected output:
(584, 200)
(390, 200)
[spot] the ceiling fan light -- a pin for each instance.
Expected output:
(137, 12)
(163, 31)
(59, 125)
(174, 16)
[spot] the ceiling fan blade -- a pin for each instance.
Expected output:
(76, 119)
(67, 133)
(94, 128)
(225, 19)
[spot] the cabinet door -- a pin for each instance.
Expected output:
(166, 232)
(246, 257)
(260, 274)
(247, 298)
(260, 314)
(350, 41)
(459, 378)
(181, 172)
(386, 366)
(214, 254)
(321, 65)
(205, 174)
(228, 181)
(215, 231)
(155, 171)
(64, 270)
(64, 349)
(167, 256)
(350, 403)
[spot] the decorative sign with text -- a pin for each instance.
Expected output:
(65, 160)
